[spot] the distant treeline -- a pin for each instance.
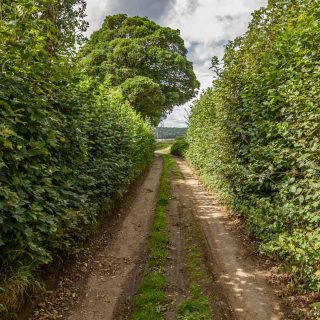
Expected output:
(169, 133)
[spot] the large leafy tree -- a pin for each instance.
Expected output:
(147, 62)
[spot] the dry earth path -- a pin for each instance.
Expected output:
(243, 283)
(118, 263)
(103, 293)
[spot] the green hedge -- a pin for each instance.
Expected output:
(254, 138)
(65, 154)
(179, 147)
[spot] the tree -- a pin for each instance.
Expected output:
(145, 95)
(146, 61)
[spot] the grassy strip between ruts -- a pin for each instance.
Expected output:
(150, 301)
(197, 304)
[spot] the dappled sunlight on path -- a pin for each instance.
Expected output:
(241, 280)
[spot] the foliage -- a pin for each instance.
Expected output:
(65, 153)
(163, 145)
(254, 138)
(38, 144)
(147, 61)
(179, 147)
(169, 132)
(145, 95)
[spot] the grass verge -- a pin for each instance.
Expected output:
(150, 301)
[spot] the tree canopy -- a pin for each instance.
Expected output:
(147, 62)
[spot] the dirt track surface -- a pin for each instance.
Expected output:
(181, 217)
(105, 289)
(242, 282)
(102, 284)
(175, 271)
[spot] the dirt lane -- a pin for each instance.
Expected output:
(175, 271)
(104, 289)
(233, 282)
(242, 282)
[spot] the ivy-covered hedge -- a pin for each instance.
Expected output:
(254, 137)
(65, 154)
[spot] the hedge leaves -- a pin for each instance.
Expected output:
(66, 153)
(254, 138)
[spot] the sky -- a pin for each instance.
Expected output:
(205, 25)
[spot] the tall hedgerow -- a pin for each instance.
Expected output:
(119, 144)
(147, 62)
(65, 153)
(254, 138)
(38, 140)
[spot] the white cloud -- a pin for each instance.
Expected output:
(96, 12)
(206, 26)
(206, 29)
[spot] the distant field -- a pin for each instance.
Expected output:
(164, 133)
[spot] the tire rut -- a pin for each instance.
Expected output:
(103, 293)
(241, 280)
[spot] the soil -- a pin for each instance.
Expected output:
(105, 278)
(239, 276)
